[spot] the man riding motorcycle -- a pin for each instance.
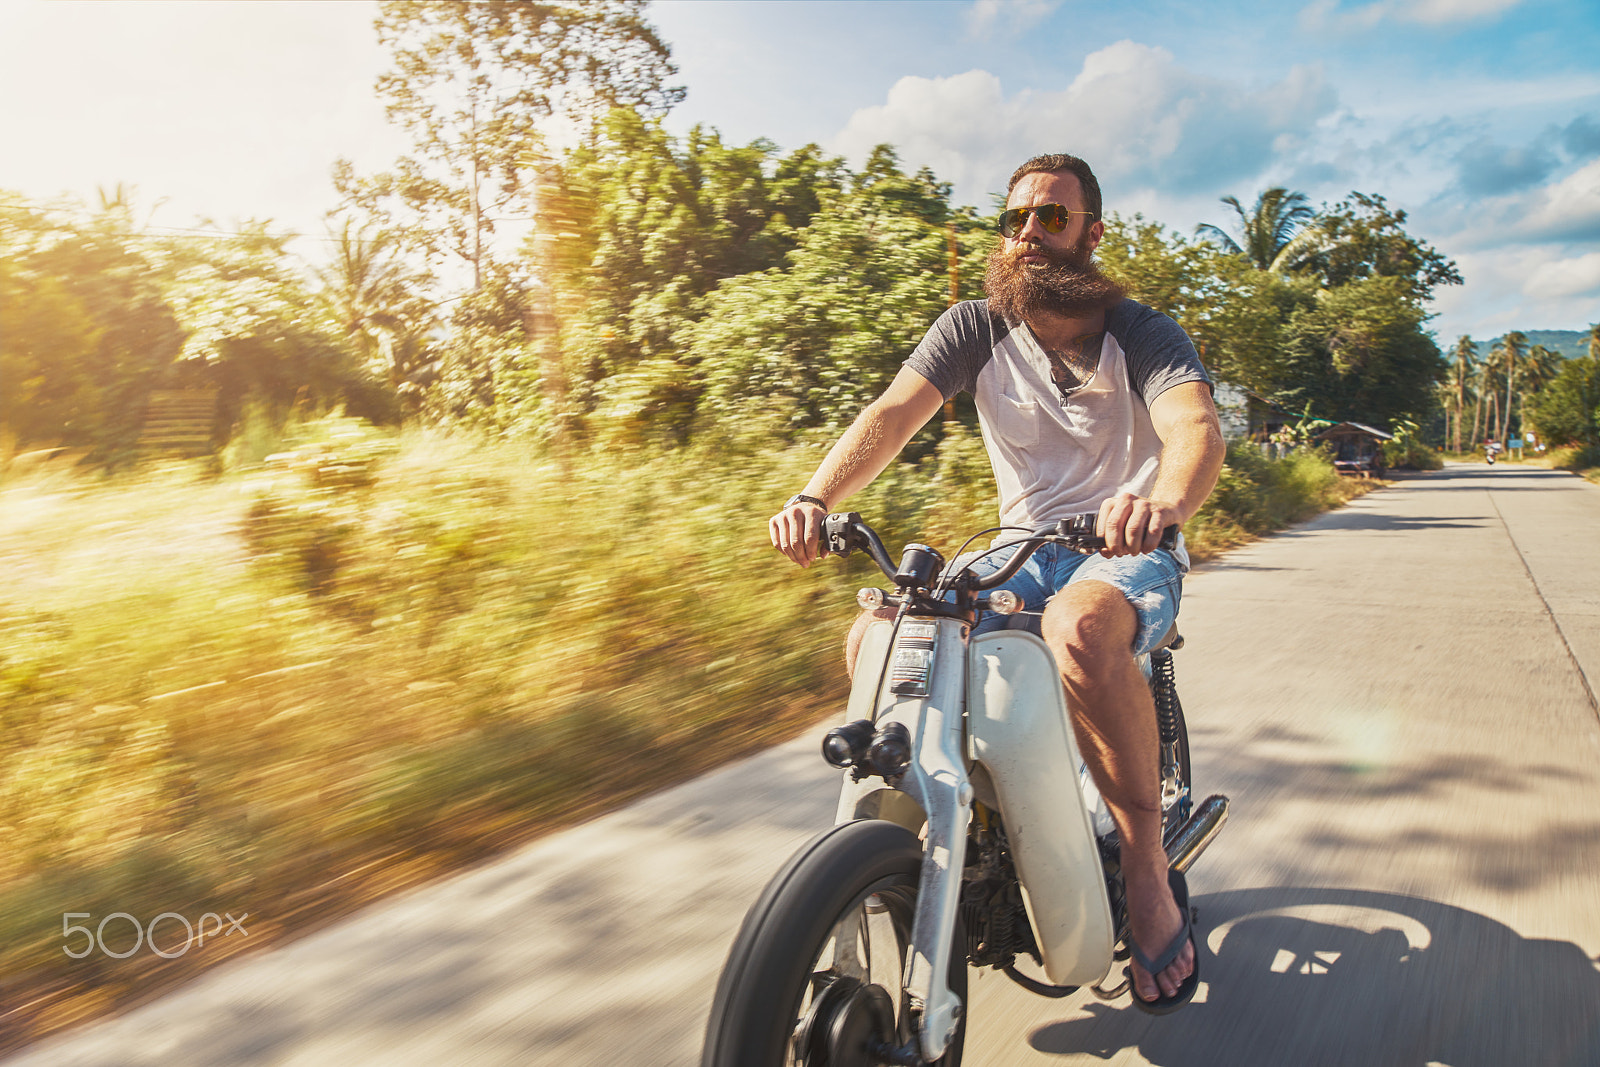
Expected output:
(1088, 401)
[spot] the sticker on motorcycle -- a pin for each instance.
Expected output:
(913, 659)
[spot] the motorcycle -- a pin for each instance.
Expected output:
(958, 839)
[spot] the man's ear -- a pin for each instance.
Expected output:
(1092, 236)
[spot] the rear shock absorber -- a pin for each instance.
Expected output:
(1164, 688)
(1169, 717)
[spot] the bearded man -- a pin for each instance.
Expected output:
(1088, 402)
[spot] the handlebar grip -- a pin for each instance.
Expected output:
(1079, 529)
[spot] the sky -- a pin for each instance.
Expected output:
(1479, 118)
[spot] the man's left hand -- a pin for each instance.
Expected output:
(1132, 525)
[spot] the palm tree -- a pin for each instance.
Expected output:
(1269, 229)
(1513, 351)
(1458, 383)
(1485, 398)
(1539, 367)
(372, 294)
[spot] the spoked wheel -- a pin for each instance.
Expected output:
(814, 977)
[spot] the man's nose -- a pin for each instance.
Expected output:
(1032, 229)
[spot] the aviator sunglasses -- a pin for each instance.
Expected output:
(1053, 217)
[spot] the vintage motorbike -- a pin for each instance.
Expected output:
(968, 833)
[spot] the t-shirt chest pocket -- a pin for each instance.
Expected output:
(1019, 421)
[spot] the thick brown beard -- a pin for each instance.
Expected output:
(1070, 284)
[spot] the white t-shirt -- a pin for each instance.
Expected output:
(1056, 457)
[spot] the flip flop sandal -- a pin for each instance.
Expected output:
(1185, 993)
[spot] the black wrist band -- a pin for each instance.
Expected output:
(801, 498)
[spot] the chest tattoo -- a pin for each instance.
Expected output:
(1072, 365)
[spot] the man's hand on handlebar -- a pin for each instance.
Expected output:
(796, 532)
(1132, 525)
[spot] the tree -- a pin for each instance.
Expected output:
(1510, 353)
(822, 337)
(85, 333)
(374, 297)
(1462, 367)
(1267, 230)
(1360, 352)
(1234, 313)
(475, 83)
(651, 225)
(1567, 410)
(242, 301)
(1362, 237)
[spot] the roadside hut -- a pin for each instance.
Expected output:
(1357, 448)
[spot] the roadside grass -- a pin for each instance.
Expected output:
(1582, 461)
(291, 689)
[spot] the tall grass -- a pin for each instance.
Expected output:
(288, 689)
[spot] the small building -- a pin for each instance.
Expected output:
(1357, 448)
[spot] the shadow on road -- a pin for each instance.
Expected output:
(1369, 520)
(1339, 977)
(1481, 477)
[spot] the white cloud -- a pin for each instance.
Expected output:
(1520, 287)
(985, 16)
(1565, 211)
(1578, 276)
(1140, 119)
(1322, 16)
(1568, 210)
(1437, 12)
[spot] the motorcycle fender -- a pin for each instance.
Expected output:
(933, 793)
(870, 798)
(1018, 729)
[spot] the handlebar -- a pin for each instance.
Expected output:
(844, 531)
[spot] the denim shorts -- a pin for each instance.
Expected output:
(1153, 584)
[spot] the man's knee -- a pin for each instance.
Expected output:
(1088, 623)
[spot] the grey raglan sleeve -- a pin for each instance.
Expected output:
(1160, 355)
(955, 348)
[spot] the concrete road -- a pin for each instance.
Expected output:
(1398, 696)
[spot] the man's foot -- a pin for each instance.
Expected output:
(1158, 923)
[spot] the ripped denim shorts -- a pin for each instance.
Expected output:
(1153, 584)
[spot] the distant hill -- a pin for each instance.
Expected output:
(1569, 343)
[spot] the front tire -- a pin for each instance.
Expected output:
(813, 977)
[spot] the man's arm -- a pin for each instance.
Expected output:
(860, 455)
(1192, 452)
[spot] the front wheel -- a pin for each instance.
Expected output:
(813, 978)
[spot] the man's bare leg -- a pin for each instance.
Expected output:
(1090, 627)
(852, 642)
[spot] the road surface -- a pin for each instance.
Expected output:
(1398, 697)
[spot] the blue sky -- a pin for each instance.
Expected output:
(1480, 118)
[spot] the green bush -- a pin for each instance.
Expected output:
(1257, 494)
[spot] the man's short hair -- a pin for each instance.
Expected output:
(1057, 163)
